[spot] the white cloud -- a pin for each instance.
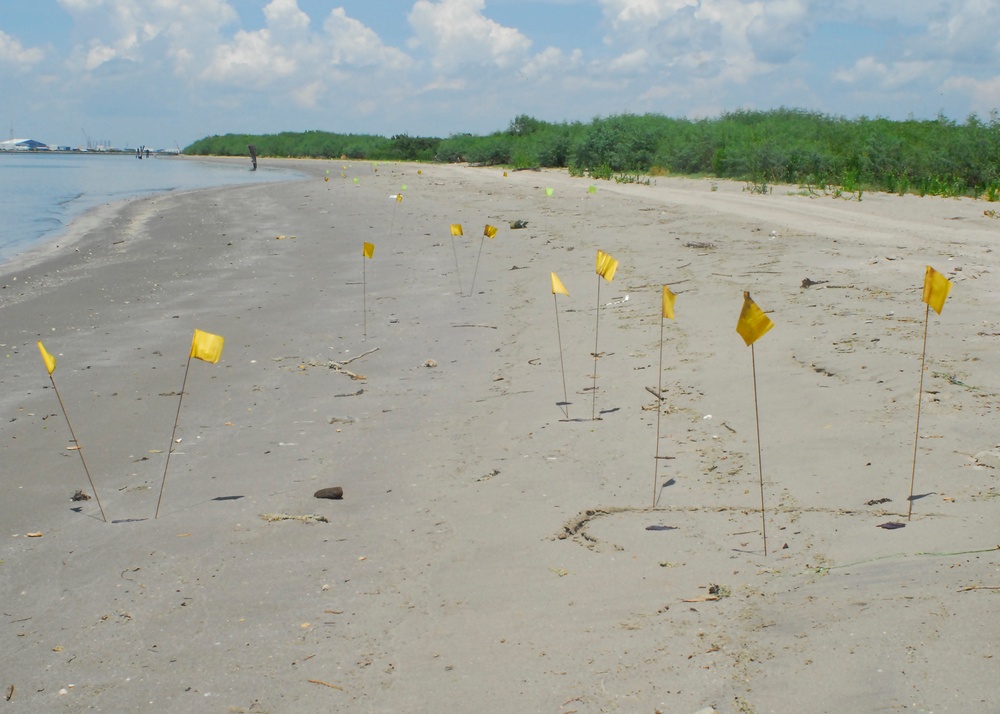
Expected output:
(124, 29)
(350, 42)
(251, 59)
(982, 95)
(457, 35)
(285, 15)
(869, 73)
(779, 32)
(14, 53)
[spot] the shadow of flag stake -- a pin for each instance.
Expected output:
(936, 289)
(752, 325)
(606, 267)
(666, 313)
(208, 348)
(50, 366)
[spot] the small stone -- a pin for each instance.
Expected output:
(333, 492)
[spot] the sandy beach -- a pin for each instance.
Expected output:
(496, 550)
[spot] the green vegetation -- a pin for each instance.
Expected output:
(822, 153)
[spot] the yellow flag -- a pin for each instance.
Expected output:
(606, 266)
(456, 229)
(50, 361)
(753, 323)
(490, 232)
(549, 191)
(936, 288)
(369, 250)
(557, 286)
(668, 303)
(206, 346)
(399, 198)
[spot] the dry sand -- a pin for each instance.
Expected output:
(490, 554)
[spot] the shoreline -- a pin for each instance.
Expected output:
(104, 209)
(488, 548)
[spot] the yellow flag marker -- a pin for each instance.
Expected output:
(206, 346)
(606, 266)
(936, 288)
(668, 303)
(753, 323)
(549, 191)
(50, 361)
(369, 250)
(50, 365)
(558, 287)
(592, 189)
(490, 231)
(399, 198)
(456, 229)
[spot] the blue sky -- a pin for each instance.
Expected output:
(166, 72)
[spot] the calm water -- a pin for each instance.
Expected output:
(40, 194)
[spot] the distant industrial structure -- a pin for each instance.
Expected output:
(92, 147)
(23, 145)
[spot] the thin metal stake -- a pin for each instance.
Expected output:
(920, 398)
(659, 405)
(760, 468)
(173, 434)
(561, 364)
(79, 448)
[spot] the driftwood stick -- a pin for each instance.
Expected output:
(363, 354)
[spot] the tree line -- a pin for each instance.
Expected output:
(935, 157)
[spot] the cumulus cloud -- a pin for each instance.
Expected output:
(124, 29)
(869, 72)
(779, 32)
(285, 15)
(350, 42)
(250, 59)
(13, 53)
(456, 34)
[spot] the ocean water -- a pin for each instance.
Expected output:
(41, 193)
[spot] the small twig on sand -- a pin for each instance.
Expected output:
(325, 684)
(363, 354)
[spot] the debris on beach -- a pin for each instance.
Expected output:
(332, 492)
(80, 496)
(518, 224)
(488, 476)
(307, 518)
(891, 525)
(430, 363)
(807, 283)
